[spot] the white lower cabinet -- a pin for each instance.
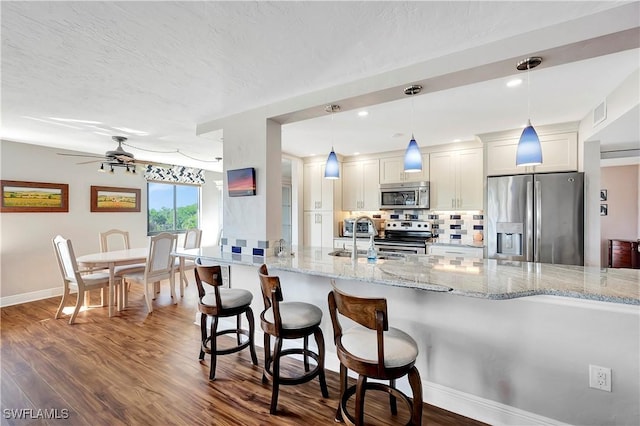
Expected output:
(456, 251)
(456, 180)
(347, 243)
(318, 229)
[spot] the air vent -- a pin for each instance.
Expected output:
(600, 113)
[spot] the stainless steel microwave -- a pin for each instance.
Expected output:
(414, 195)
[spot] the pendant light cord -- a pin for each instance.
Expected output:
(528, 92)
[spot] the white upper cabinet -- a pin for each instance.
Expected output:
(392, 170)
(360, 188)
(559, 151)
(456, 181)
(318, 191)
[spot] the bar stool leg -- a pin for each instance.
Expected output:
(392, 399)
(343, 388)
(276, 375)
(320, 342)
(214, 347)
(360, 390)
(203, 335)
(252, 346)
(416, 388)
(267, 357)
(305, 356)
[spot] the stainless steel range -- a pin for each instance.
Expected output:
(405, 236)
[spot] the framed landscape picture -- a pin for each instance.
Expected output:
(36, 197)
(112, 199)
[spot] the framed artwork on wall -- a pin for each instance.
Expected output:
(34, 197)
(241, 182)
(112, 199)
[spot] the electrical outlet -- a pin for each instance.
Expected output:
(600, 378)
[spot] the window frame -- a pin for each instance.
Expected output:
(174, 186)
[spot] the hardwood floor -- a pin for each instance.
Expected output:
(139, 369)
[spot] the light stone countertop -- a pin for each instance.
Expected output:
(482, 278)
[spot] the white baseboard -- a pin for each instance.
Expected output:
(464, 404)
(30, 297)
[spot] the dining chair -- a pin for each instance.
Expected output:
(289, 320)
(222, 302)
(73, 278)
(192, 240)
(373, 350)
(160, 265)
(116, 239)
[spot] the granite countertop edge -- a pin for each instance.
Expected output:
(490, 279)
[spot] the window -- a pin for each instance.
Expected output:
(172, 207)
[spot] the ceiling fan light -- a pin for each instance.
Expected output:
(412, 157)
(529, 151)
(111, 171)
(101, 169)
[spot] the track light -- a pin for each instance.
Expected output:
(101, 169)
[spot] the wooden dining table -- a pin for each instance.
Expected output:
(111, 259)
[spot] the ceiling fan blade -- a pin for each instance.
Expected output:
(92, 161)
(81, 155)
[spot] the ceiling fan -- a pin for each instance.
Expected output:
(114, 158)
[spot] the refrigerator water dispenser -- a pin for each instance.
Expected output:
(509, 238)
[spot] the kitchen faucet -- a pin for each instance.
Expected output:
(354, 253)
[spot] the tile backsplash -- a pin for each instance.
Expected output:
(459, 227)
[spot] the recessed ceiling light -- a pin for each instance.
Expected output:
(514, 82)
(363, 113)
(356, 153)
(456, 140)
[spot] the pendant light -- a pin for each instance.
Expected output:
(332, 168)
(529, 151)
(412, 156)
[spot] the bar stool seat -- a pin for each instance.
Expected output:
(373, 350)
(223, 302)
(289, 320)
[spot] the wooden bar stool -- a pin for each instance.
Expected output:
(223, 302)
(289, 320)
(373, 350)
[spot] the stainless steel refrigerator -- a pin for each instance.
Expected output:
(536, 218)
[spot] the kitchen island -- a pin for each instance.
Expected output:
(473, 277)
(501, 342)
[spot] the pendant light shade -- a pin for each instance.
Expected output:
(529, 151)
(332, 168)
(412, 156)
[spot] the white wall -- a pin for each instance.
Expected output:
(28, 268)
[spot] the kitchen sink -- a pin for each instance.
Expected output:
(362, 254)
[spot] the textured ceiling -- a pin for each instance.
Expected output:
(75, 73)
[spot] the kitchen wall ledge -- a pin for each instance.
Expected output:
(479, 278)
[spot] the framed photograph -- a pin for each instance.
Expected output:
(241, 182)
(36, 197)
(604, 209)
(603, 195)
(112, 199)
